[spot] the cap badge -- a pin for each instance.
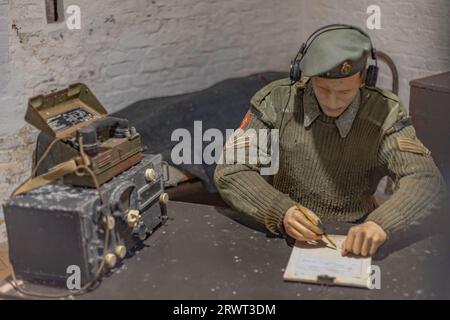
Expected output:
(345, 68)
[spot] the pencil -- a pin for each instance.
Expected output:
(319, 224)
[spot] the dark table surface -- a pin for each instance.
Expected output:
(206, 252)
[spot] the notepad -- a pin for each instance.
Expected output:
(318, 262)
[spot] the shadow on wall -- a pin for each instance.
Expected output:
(221, 106)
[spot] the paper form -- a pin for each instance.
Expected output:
(309, 261)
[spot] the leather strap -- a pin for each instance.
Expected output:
(55, 173)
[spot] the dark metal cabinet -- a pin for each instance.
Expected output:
(430, 113)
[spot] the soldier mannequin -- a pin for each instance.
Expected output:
(334, 96)
(339, 136)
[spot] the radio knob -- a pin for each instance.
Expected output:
(120, 251)
(150, 175)
(133, 218)
(164, 198)
(110, 260)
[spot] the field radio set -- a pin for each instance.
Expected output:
(93, 195)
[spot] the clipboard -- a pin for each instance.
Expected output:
(318, 263)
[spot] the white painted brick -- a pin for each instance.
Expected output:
(121, 83)
(3, 8)
(120, 69)
(4, 59)
(2, 228)
(3, 23)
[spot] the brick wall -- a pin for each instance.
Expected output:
(4, 77)
(4, 55)
(128, 50)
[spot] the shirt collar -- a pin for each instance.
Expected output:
(312, 111)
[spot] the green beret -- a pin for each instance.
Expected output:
(336, 53)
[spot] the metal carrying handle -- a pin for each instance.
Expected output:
(165, 171)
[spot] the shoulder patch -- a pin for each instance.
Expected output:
(412, 145)
(245, 120)
(251, 113)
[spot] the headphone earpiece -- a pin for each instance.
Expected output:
(371, 76)
(372, 70)
(295, 74)
(373, 52)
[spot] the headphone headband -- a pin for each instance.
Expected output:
(295, 66)
(335, 26)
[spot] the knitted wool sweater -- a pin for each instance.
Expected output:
(334, 174)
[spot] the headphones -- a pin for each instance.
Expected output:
(296, 72)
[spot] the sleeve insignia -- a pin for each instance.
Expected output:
(245, 120)
(412, 145)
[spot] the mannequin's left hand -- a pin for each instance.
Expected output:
(364, 239)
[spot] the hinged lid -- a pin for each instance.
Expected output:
(61, 113)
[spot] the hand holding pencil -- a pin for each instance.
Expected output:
(302, 224)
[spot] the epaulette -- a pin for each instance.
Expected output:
(259, 96)
(267, 109)
(383, 108)
(386, 93)
(400, 124)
